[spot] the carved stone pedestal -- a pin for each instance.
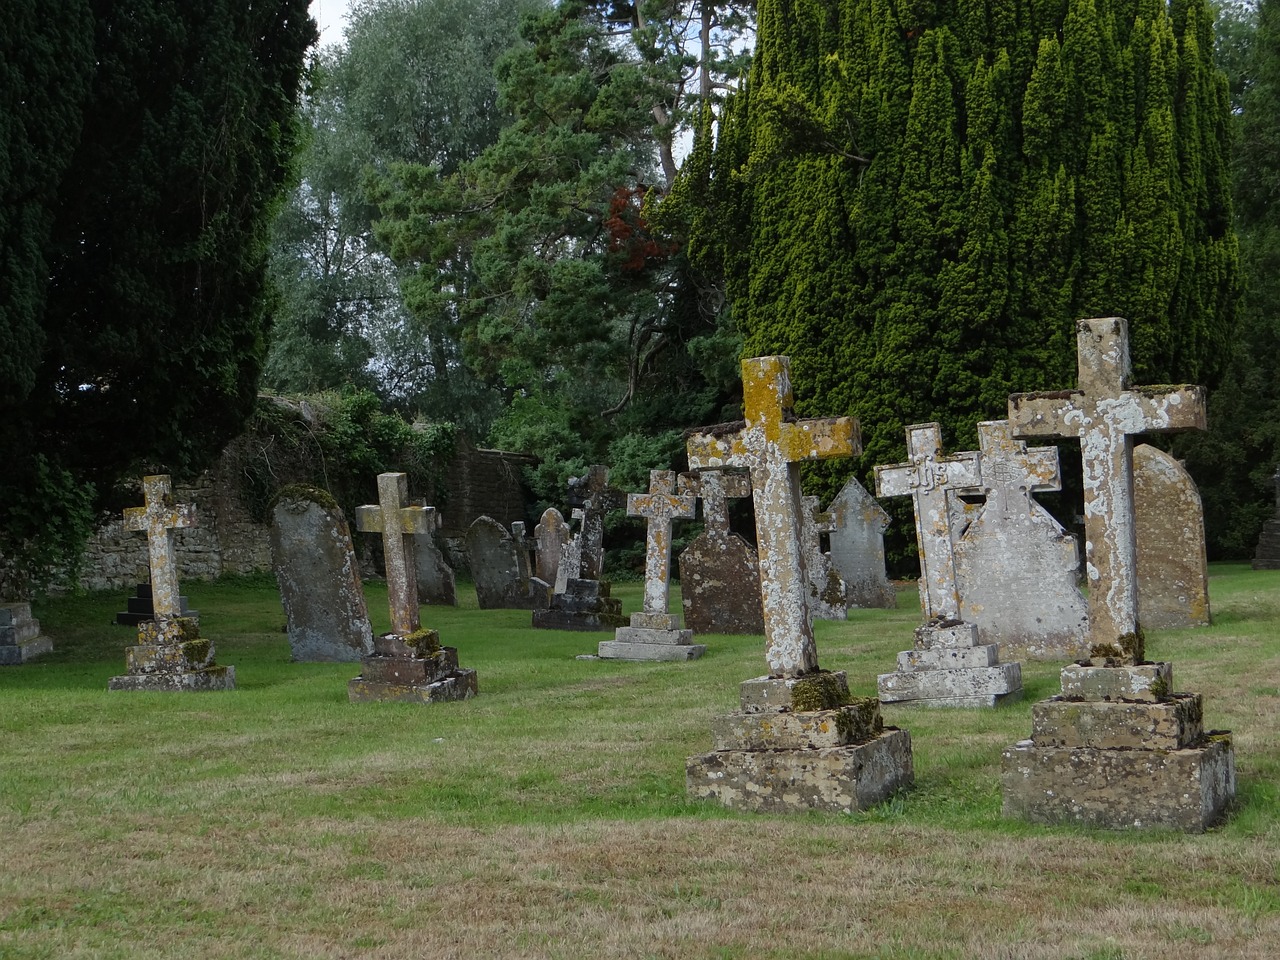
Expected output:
(651, 636)
(413, 669)
(171, 657)
(949, 668)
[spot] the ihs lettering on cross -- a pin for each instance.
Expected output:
(660, 506)
(770, 445)
(1104, 412)
(159, 518)
(397, 522)
(928, 478)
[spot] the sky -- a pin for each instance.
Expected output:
(331, 15)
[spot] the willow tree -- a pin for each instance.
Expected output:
(930, 194)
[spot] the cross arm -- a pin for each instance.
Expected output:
(1159, 409)
(1046, 414)
(820, 439)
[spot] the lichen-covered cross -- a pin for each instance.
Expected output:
(397, 521)
(160, 518)
(771, 445)
(1011, 472)
(716, 488)
(660, 506)
(1105, 413)
(928, 477)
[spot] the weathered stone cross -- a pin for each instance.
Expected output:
(397, 521)
(159, 518)
(716, 488)
(660, 506)
(771, 445)
(1104, 412)
(1011, 472)
(927, 478)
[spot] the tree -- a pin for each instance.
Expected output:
(154, 307)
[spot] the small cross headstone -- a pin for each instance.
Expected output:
(828, 595)
(719, 570)
(654, 634)
(1173, 565)
(159, 518)
(857, 546)
(771, 445)
(570, 566)
(397, 521)
(597, 499)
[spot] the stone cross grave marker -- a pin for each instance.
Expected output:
(1104, 412)
(928, 478)
(392, 517)
(550, 535)
(1015, 565)
(719, 570)
(828, 594)
(570, 566)
(597, 499)
(660, 506)
(857, 546)
(771, 446)
(159, 518)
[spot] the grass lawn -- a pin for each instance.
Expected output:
(548, 816)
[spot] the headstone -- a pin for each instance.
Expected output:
(550, 535)
(1016, 567)
(501, 575)
(858, 524)
(799, 740)
(437, 585)
(1267, 554)
(1118, 748)
(570, 565)
(1173, 565)
(828, 595)
(315, 565)
(580, 600)
(719, 570)
(593, 493)
(408, 665)
(170, 655)
(948, 665)
(20, 636)
(654, 634)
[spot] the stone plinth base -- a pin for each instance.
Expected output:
(585, 605)
(949, 668)
(20, 637)
(1187, 789)
(191, 681)
(625, 650)
(461, 685)
(412, 669)
(840, 779)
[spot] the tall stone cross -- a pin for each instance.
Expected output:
(397, 521)
(928, 477)
(771, 445)
(160, 518)
(1011, 472)
(660, 506)
(1105, 413)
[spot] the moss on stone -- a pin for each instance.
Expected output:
(301, 491)
(425, 642)
(818, 691)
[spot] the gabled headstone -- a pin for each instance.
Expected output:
(408, 664)
(1118, 748)
(315, 566)
(799, 741)
(170, 655)
(1173, 565)
(858, 523)
(948, 666)
(654, 634)
(1016, 567)
(719, 570)
(550, 535)
(828, 595)
(501, 576)
(437, 584)
(20, 636)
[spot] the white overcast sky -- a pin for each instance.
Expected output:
(331, 15)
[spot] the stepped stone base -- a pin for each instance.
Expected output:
(191, 681)
(1188, 789)
(20, 637)
(420, 671)
(624, 650)
(459, 686)
(585, 605)
(840, 779)
(949, 668)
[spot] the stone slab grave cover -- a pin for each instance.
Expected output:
(828, 594)
(1118, 748)
(20, 636)
(719, 570)
(581, 599)
(315, 566)
(1173, 564)
(437, 584)
(799, 741)
(654, 634)
(1017, 569)
(948, 665)
(1267, 554)
(408, 665)
(858, 523)
(500, 568)
(170, 655)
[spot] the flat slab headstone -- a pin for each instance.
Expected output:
(1017, 569)
(719, 569)
(1173, 563)
(790, 766)
(858, 523)
(315, 566)
(20, 636)
(437, 583)
(502, 579)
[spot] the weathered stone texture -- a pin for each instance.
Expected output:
(964, 686)
(320, 589)
(849, 724)
(171, 657)
(502, 580)
(719, 570)
(1147, 682)
(158, 519)
(551, 534)
(621, 649)
(397, 521)
(1173, 724)
(437, 584)
(779, 694)
(857, 530)
(828, 593)
(1173, 566)
(584, 605)
(20, 636)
